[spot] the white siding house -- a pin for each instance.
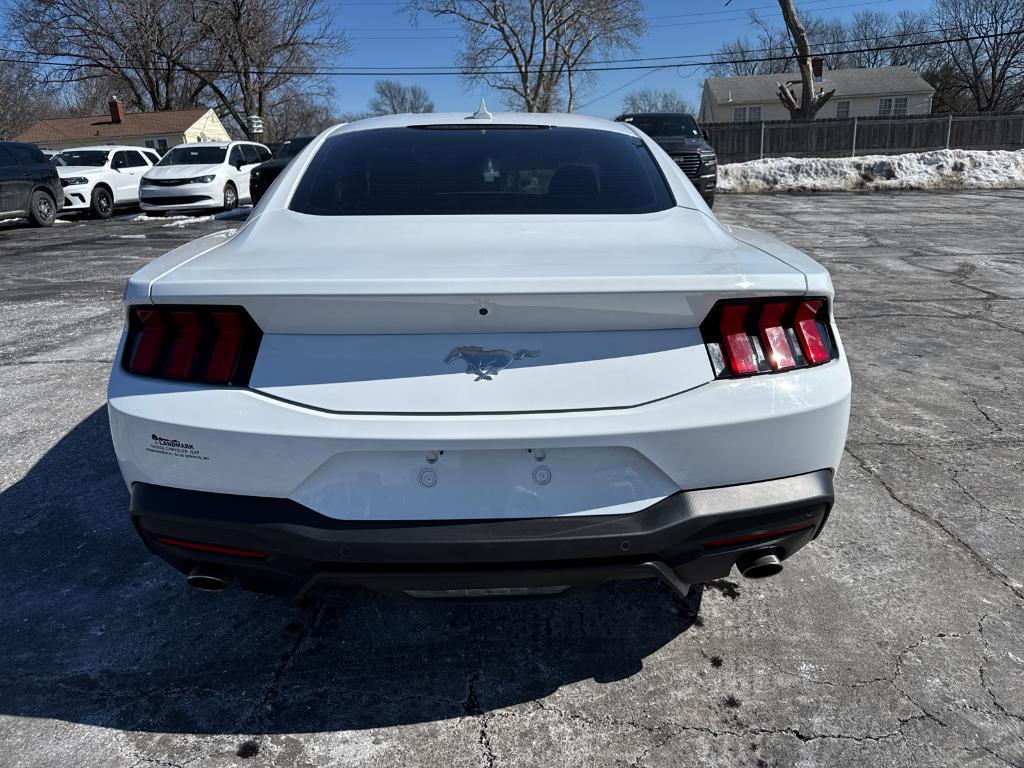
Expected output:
(879, 92)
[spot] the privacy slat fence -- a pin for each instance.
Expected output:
(737, 142)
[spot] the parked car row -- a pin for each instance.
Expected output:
(100, 179)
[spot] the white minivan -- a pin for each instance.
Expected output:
(97, 179)
(213, 174)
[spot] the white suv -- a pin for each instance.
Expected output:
(204, 175)
(99, 178)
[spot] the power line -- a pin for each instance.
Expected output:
(448, 71)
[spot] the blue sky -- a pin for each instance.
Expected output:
(382, 35)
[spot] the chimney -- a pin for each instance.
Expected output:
(116, 110)
(816, 66)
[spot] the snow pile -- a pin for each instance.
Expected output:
(942, 169)
(184, 221)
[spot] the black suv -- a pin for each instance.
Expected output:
(262, 176)
(680, 136)
(29, 185)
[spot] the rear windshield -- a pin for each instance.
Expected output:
(292, 147)
(675, 125)
(465, 169)
(194, 156)
(96, 158)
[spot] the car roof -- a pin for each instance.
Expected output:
(101, 147)
(221, 144)
(497, 118)
(652, 114)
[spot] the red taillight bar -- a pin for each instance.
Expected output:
(217, 345)
(144, 347)
(754, 336)
(735, 339)
(213, 548)
(748, 537)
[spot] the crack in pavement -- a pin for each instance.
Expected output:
(471, 705)
(256, 720)
(936, 524)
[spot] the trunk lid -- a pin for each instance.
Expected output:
(475, 314)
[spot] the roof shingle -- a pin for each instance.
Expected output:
(102, 127)
(846, 82)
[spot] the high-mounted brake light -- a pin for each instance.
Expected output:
(217, 345)
(754, 336)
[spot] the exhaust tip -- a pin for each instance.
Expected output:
(759, 565)
(208, 579)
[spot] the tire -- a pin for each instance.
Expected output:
(102, 203)
(710, 200)
(230, 197)
(42, 210)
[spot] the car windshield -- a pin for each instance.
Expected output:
(96, 158)
(670, 125)
(291, 148)
(194, 155)
(481, 169)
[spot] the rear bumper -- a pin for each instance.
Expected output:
(282, 547)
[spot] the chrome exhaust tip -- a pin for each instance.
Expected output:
(208, 578)
(759, 565)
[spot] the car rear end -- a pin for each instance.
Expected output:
(443, 405)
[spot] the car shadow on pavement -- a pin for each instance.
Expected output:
(95, 630)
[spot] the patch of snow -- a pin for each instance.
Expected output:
(62, 221)
(10, 221)
(941, 169)
(147, 217)
(188, 220)
(131, 237)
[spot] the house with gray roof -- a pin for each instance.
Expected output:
(876, 92)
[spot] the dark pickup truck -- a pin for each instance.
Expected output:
(680, 136)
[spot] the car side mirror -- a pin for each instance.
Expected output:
(239, 164)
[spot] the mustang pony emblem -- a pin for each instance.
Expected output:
(488, 363)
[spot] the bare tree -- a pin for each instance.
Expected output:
(871, 39)
(298, 111)
(543, 45)
(810, 100)
(134, 44)
(256, 47)
(988, 69)
(23, 99)
(172, 54)
(393, 98)
(654, 100)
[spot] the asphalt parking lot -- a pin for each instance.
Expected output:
(895, 639)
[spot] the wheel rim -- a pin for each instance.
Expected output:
(103, 203)
(229, 198)
(44, 208)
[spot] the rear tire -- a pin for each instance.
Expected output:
(710, 200)
(42, 210)
(102, 203)
(230, 197)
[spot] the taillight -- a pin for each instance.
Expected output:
(748, 337)
(214, 345)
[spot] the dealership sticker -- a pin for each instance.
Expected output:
(176, 448)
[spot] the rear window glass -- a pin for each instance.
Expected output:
(677, 125)
(464, 169)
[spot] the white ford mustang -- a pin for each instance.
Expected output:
(454, 355)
